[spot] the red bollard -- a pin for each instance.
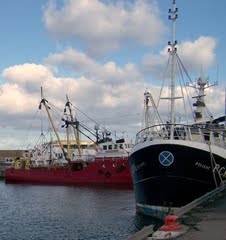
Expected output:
(170, 224)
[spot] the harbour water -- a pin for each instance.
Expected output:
(40, 212)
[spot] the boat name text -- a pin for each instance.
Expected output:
(136, 168)
(220, 170)
(198, 164)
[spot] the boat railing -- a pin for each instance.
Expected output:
(215, 135)
(113, 158)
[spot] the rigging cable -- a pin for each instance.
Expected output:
(92, 120)
(188, 76)
(163, 82)
(27, 132)
(188, 99)
(207, 109)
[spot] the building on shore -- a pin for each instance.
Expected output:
(7, 157)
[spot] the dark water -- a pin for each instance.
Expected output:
(66, 212)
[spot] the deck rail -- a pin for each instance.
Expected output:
(213, 134)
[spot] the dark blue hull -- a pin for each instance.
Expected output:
(168, 176)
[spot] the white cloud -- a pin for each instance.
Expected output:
(104, 27)
(198, 54)
(21, 92)
(215, 102)
(15, 100)
(96, 98)
(195, 56)
(109, 93)
(27, 75)
(73, 59)
(26, 72)
(107, 73)
(154, 65)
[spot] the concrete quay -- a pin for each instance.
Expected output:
(208, 222)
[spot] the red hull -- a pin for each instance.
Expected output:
(99, 172)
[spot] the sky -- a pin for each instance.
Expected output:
(103, 54)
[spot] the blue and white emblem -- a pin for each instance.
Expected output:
(166, 158)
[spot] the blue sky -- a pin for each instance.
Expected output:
(24, 38)
(110, 49)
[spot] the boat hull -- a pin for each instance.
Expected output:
(170, 175)
(103, 172)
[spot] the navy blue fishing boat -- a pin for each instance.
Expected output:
(177, 161)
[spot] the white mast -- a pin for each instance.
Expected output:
(173, 16)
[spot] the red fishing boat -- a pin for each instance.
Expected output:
(102, 162)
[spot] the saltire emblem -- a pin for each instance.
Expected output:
(166, 158)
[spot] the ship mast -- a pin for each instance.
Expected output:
(172, 51)
(146, 105)
(76, 132)
(44, 102)
(68, 142)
